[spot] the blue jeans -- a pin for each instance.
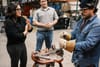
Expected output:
(44, 36)
(31, 19)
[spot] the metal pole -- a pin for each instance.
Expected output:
(76, 10)
(77, 7)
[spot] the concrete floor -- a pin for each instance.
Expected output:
(30, 44)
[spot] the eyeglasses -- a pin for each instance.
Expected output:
(18, 9)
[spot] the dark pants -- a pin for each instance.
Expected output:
(17, 52)
(47, 65)
(91, 65)
(50, 65)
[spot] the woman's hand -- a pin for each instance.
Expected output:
(28, 23)
(26, 30)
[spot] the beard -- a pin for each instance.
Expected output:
(86, 17)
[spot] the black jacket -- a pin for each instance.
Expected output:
(14, 29)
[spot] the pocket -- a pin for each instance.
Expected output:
(85, 33)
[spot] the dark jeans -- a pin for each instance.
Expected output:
(47, 65)
(17, 52)
(50, 65)
(91, 65)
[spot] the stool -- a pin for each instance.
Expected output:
(51, 56)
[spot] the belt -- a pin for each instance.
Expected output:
(44, 30)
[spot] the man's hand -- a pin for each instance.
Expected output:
(67, 45)
(62, 43)
(49, 25)
(65, 35)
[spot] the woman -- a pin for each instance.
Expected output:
(17, 28)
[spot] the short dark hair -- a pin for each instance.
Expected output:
(95, 10)
(11, 9)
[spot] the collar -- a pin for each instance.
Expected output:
(92, 18)
(46, 9)
(89, 20)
